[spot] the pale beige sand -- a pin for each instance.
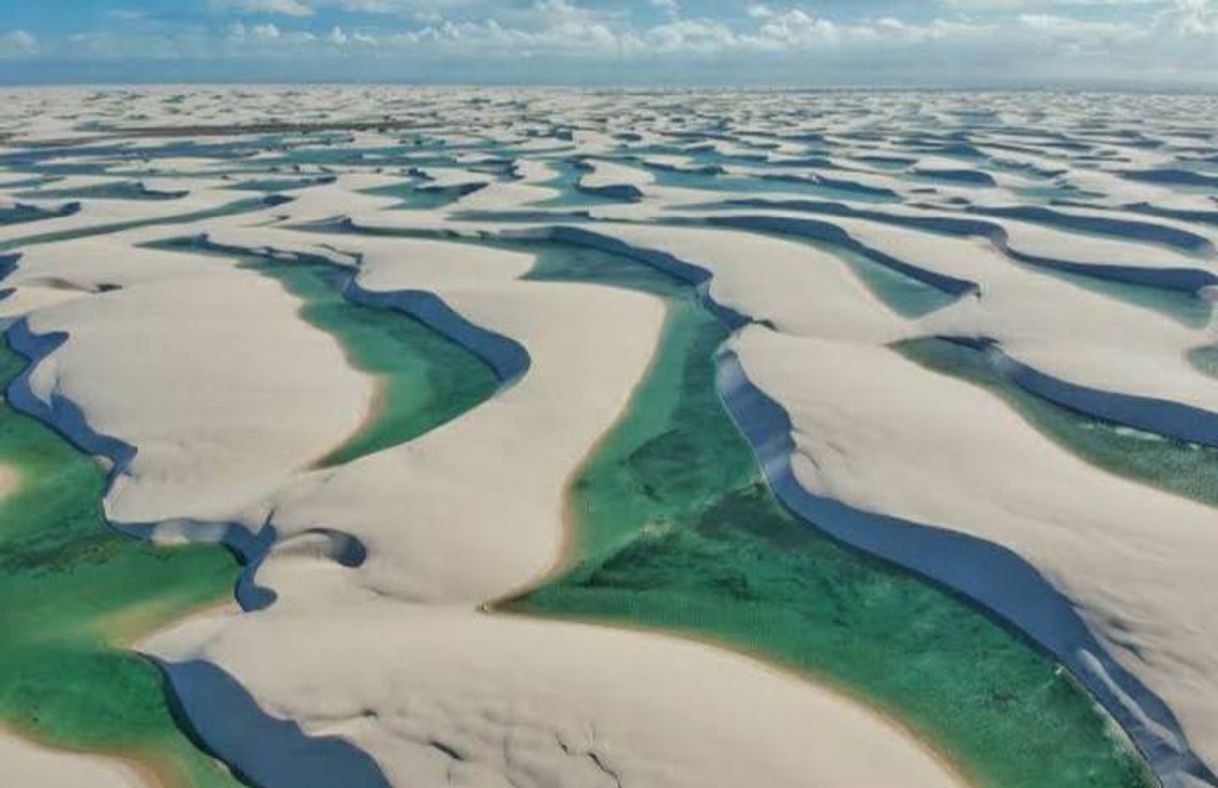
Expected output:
(1112, 566)
(427, 512)
(552, 703)
(1062, 330)
(10, 480)
(1136, 561)
(799, 288)
(25, 764)
(236, 391)
(860, 412)
(473, 510)
(1101, 554)
(610, 173)
(98, 213)
(449, 177)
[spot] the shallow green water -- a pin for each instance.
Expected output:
(416, 195)
(1048, 193)
(902, 294)
(426, 378)
(124, 190)
(1187, 309)
(756, 184)
(69, 585)
(1205, 360)
(25, 213)
(272, 185)
(1181, 467)
(567, 183)
(676, 529)
(70, 582)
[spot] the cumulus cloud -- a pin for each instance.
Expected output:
(1013, 5)
(238, 32)
(406, 8)
(771, 40)
(670, 7)
(283, 7)
(270, 35)
(1192, 17)
(18, 43)
(1031, 42)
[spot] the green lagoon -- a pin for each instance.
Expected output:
(75, 592)
(425, 379)
(675, 528)
(1205, 360)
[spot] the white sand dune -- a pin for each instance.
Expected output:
(31, 765)
(217, 398)
(402, 503)
(424, 546)
(443, 695)
(1075, 336)
(206, 445)
(451, 177)
(606, 174)
(844, 308)
(867, 409)
(103, 213)
(1069, 332)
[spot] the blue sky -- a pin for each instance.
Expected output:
(1135, 43)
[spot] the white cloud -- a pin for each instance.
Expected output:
(1176, 40)
(18, 43)
(700, 36)
(1011, 5)
(1192, 17)
(282, 7)
(670, 7)
(414, 9)
(265, 33)
(1028, 45)
(796, 29)
(373, 6)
